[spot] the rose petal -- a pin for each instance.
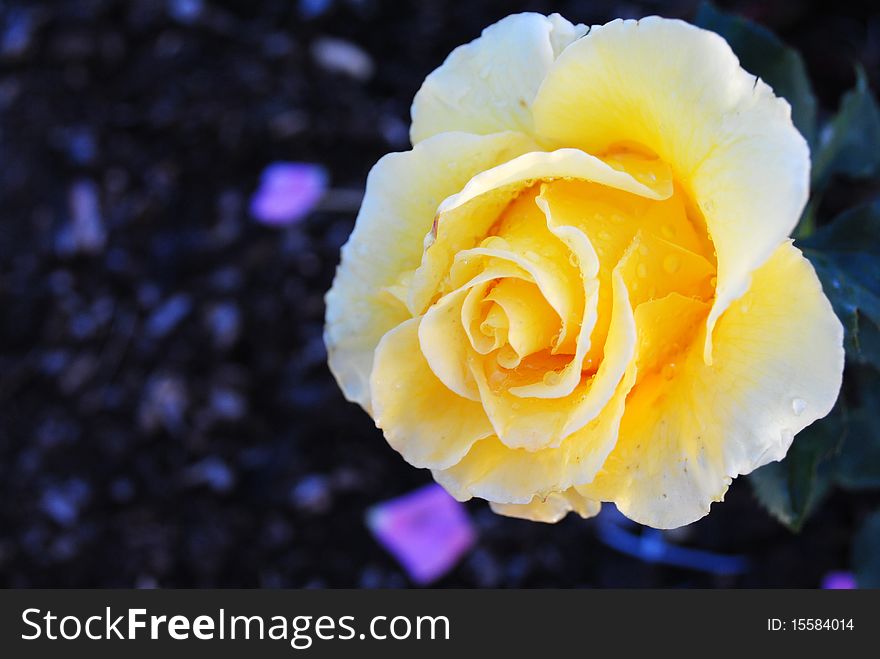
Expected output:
(401, 199)
(550, 509)
(288, 192)
(839, 580)
(488, 85)
(427, 531)
(430, 425)
(687, 432)
(679, 91)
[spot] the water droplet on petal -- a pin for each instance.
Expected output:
(713, 282)
(643, 250)
(798, 405)
(642, 270)
(668, 371)
(573, 260)
(671, 263)
(604, 235)
(668, 231)
(551, 378)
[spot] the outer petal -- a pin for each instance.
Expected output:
(551, 509)
(778, 367)
(403, 192)
(488, 85)
(429, 425)
(679, 91)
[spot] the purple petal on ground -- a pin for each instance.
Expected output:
(839, 580)
(427, 531)
(288, 191)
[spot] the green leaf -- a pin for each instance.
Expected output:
(858, 466)
(791, 490)
(763, 54)
(851, 145)
(866, 553)
(846, 255)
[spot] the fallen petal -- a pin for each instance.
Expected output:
(427, 531)
(839, 580)
(288, 191)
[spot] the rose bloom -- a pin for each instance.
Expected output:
(578, 285)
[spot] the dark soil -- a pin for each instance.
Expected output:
(166, 414)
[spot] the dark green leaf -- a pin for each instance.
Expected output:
(846, 255)
(866, 553)
(852, 144)
(791, 489)
(763, 54)
(858, 466)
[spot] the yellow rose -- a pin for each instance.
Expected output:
(578, 285)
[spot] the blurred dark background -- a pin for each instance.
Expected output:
(166, 414)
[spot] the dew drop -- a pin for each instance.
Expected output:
(604, 235)
(668, 371)
(573, 260)
(713, 282)
(798, 405)
(642, 270)
(671, 263)
(668, 231)
(643, 250)
(551, 378)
